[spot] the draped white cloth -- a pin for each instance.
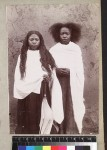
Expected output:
(46, 118)
(32, 83)
(70, 56)
(33, 76)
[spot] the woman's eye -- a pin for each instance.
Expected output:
(34, 39)
(31, 39)
(65, 33)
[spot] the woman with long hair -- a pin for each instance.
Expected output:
(33, 74)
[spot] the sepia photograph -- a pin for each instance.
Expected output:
(53, 68)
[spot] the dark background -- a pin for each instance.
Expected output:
(104, 53)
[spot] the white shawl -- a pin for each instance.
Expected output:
(33, 77)
(69, 56)
(32, 83)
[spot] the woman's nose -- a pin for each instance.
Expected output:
(64, 35)
(34, 41)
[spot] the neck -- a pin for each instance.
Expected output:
(65, 43)
(32, 49)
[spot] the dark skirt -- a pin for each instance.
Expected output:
(29, 111)
(68, 126)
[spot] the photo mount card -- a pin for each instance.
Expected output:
(7, 121)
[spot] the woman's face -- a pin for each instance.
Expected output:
(65, 35)
(34, 41)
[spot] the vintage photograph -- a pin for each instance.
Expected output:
(53, 66)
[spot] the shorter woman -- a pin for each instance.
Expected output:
(34, 69)
(68, 58)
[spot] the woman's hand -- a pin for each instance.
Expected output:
(63, 71)
(46, 77)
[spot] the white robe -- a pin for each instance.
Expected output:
(33, 77)
(69, 56)
(32, 83)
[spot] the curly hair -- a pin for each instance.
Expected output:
(74, 28)
(46, 59)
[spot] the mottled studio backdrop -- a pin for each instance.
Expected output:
(22, 18)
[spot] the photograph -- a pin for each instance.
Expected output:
(53, 68)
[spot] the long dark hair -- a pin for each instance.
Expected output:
(73, 27)
(46, 59)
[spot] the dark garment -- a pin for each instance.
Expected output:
(29, 111)
(68, 126)
(28, 114)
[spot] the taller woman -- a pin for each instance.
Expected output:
(68, 58)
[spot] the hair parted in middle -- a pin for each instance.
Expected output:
(46, 59)
(74, 28)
